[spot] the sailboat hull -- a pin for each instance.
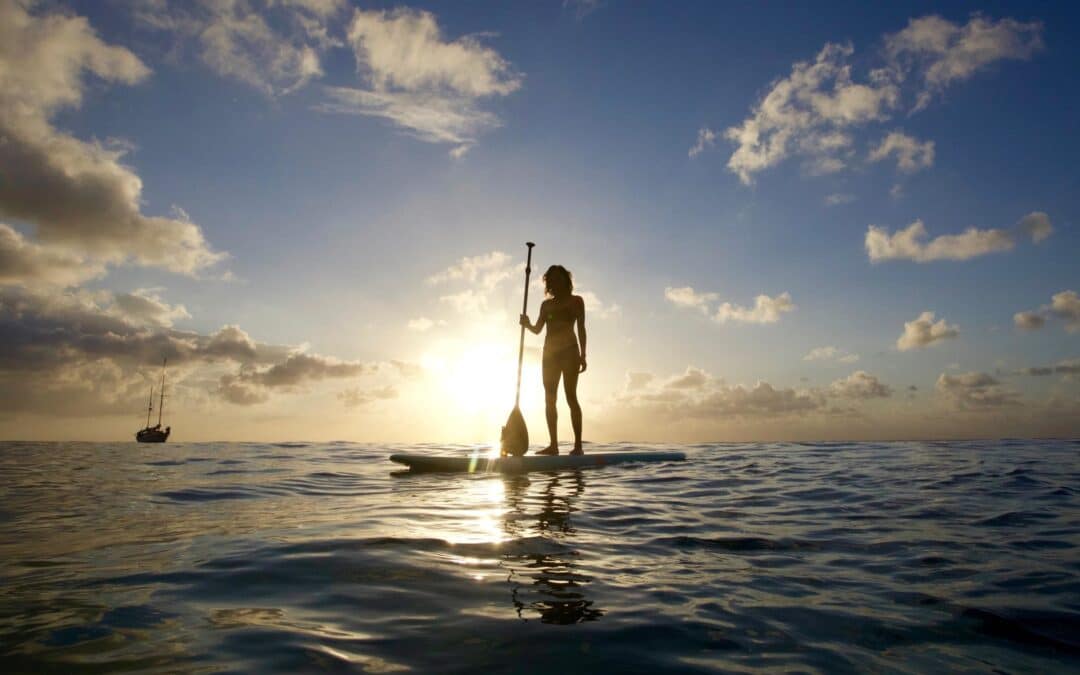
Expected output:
(150, 435)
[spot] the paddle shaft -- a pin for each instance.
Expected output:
(524, 310)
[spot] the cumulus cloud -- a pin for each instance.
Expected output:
(1067, 367)
(696, 394)
(814, 110)
(596, 307)
(428, 86)
(911, 154)
(975, 391)
(26, 263)
(830, 353)
(1064, 305)
(818, 99)
(860, 385)
(1036, 225)
(687, 297)
(145, 306)
(943, 52)
(83, 204)
(706, 138)
(765, 310)
(251, 385)
(1029, 320)
(912, 243)
(49, 339)
(924, 332)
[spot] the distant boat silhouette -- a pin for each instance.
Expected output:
(155, 434)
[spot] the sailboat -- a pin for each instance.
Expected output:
(155, 434)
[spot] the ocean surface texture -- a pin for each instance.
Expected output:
(291, 557)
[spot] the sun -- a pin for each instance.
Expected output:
(476, 382)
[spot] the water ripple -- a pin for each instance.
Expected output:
(288, 557)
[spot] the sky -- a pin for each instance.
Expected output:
(848, 221)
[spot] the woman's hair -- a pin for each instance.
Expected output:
(557, 282)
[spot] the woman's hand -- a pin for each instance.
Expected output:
(524, 321)
(582, 365)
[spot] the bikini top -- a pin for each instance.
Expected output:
(565, 314)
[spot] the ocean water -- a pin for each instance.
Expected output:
(293, 557)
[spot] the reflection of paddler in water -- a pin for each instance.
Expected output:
(557, 587)
(560, 312)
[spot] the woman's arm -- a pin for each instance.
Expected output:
(581, 332)
(540, 321)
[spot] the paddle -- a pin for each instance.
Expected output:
(515, 436)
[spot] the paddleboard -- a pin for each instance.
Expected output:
(480, 464)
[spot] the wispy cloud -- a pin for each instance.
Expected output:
(428, 86)
(911, 153)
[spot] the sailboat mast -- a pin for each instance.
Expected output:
(161, 405)
(150, 406)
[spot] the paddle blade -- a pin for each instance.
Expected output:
(515, 437)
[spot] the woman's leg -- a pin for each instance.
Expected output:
(551, 372)
(570, 378)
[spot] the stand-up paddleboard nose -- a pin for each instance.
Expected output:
(515, 435)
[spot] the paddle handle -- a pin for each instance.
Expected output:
(524, 310)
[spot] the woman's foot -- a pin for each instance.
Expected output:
(549, 450)
(577, 450)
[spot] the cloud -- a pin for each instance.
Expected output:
(1067, 367)
(1064, 305)
(943, 52)
(911, 154)
(638, 380)
(428, 86)
(595, 307)
(924, 332)
(819, 98)
(145, 306)
(839, 198)
(486, 270)
(975, 391)
(860, 385)
(355, 398)
(910, 243)
(272, 46)
(51, 339)
(693, 378)
(814, 110)
(687, 297)
(830, 353)
(706, 138)
(582, 8)
(84, 204)
(26, 263)
(696, 394)
(765, 310)
(1029, 320)
(252, 385)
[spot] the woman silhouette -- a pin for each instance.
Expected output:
(562, 358)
